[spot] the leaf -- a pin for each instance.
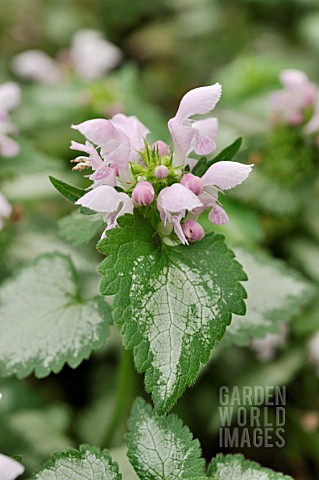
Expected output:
(88, 463)
(80, 230)
(173, 303)
(68, 191)
(236, 467)
(43, 321)
(276, 294)
(161, 448)
(228, 153)
(71, 193)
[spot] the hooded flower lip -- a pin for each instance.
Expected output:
(173, 202)
(190, 134)
(10, 469)
(108, 201)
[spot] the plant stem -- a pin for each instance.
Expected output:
(123, 397)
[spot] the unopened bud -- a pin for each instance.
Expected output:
(161, 171)
(162, 148)
(143, 193)
(193, 231)
(193, 183)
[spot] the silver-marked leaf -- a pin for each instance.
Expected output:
(80, 229)
(173, 303)
(161, 448)
(276, 293)
(236, 467)
(88, 463)
(44, 323)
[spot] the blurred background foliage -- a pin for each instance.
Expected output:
(169, 47)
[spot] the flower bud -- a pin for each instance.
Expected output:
(193, 183)
(162, 148)
(161, 171)
(143, 193)
(193, 231)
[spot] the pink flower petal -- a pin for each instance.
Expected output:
(177, 198)
(98, 130)
(95, 158)
(10, 96)
(218, 216)
(199, 101)
(179, 231)
(293, 79)
(313, 125)
(8, 147)
(10, 469)
(36, 65)
(101, 199)
(225, 175)
(135, 130)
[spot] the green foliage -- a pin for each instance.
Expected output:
(172, 303)
(88, 462)
(44, 322)
(70, 192)
(79, 229)
(276, 294)
(236, 467)
(161, 448)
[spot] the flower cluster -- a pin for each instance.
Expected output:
(129, 173)
(297, 104)
(90, 56)
(10, 96)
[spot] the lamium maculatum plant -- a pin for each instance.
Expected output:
(175, 287)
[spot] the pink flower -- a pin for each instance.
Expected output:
(9, 469)
(108, 201)
(161, 171)
(38, 66)
(10, 97)
(193, 231)
(162, 148)
(143, 193)
(173, 202)
(189, 135)
(219, 177)
(298, 94)
(92, 56)
(193, 183)
(119, 139)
